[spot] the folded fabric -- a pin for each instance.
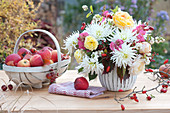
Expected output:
(67, 88)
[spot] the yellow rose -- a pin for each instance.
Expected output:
(145, 48)
(123, 19)
(78, 55)
(90, 43)
(137, 67)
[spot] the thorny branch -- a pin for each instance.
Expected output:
(162, 81)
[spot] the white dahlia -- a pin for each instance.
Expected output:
(124, 34)
(99, 31)
(71, 41)
(123, 56)
(91, 64)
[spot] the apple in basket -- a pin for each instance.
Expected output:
(23, 63)
(45, 54)
(22, 52)
(81, 83)
(54, 56)
(12, 59)
(49, 48)
(36, 60)
(28, 56)
(48, 62)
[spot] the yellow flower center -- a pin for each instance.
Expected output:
(98, 33)
(125, 55)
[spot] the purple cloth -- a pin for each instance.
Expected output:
(67, 88)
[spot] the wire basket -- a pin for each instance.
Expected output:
(36, 76)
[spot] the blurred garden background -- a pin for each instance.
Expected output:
(62, 17)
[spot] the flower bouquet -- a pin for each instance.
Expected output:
(113, 46)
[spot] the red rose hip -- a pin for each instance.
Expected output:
(3, 87)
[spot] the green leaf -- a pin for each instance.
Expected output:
(91, 9)
(124, 70)
(152, 96)
(114, 10)
(89, 14)
(89, 53)
(80, 70)
(126, 75)
(92, 76)
(121, 72)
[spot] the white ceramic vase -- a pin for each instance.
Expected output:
(112, 82)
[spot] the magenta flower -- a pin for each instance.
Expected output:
(141, 38)
(117, 45)
(81, 44)
(81, 40)
(105, 13)
(141, 31)
(83, 35)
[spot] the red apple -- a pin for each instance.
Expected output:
(33, 50)
(22, 52)
(54, 56)
(36, 60)
(48, 62)
(81, 83)
(12, 59)
(45, 54)
(27, 56)
(23, 63)
(49, 48)
(165, 68)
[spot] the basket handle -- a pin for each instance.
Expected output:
(46, 32)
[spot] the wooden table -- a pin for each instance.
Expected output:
(40, 101)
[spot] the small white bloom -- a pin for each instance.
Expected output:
(96, 18)
(163, 40)
(156, 38)
(71, 41)
(157, 41)
(123, 57)
(99, 31)
(152, 42)
(85, 7)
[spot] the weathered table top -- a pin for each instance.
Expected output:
(41, 101)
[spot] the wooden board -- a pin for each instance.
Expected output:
(41, 101)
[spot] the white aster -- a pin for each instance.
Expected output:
(125, 34)
(71, 41)
(99, 31)
(124, 56)
(91, 64)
